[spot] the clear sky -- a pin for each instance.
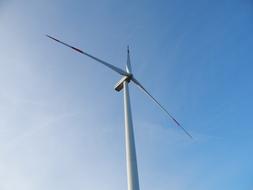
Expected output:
(61, 122)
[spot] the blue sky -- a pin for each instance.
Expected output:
(61, 121)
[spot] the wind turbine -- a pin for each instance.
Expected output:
(127, 77)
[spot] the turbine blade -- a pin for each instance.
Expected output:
(160, 106)
(128, 66)
(112, 67)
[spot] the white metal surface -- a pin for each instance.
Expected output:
(132, 171)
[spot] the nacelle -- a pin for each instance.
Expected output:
(119, 86)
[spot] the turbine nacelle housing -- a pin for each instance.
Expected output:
(119, 86)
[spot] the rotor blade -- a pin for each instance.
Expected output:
(112, 67)
(160, 106)
(128, 66)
